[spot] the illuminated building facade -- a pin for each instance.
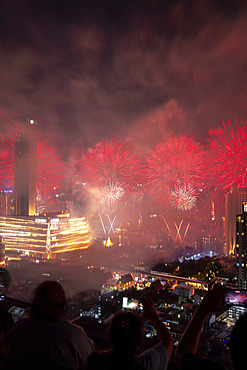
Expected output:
(43, 236)
(234, 314)
(241, 248)
(234, 200)
(231, 315)
(25, 153)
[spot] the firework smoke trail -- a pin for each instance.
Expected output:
(186, 230)
(7, 162)
(168, 227)
(111, 170)
(178, 228)
(227, 162)
(102, 223)
(49, 166)
(111, 223)
(183, 198)
(173, 164)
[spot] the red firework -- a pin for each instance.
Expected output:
(227, 162)
(49, 166)
(7, 162)
(176, 163)
(109, 162)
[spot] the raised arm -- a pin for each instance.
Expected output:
(163, 333)
(212, 302)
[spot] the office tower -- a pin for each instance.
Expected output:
(32, 165)
(25, 154)
(234, 200)
(241, 247)
(21, 176)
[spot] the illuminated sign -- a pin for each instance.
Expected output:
(54, 224)
(41, 220)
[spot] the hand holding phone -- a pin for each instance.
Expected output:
(213, 300)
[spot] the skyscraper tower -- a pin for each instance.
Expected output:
(32, 165)
(234, 202)
(25, 160)
(241, 247)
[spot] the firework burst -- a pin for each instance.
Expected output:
(110, 194)
(227, 162)
(111, 167)
(173, 165)
(183, 198)
(49, 166)
(7, 162)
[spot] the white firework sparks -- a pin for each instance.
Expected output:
(184, 198)
(110, 194)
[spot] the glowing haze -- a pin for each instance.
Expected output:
(128, 69)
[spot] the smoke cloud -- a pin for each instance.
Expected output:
(138, 70)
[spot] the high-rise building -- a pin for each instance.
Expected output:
(25, 153)
(32, 165)
(241, 247)
(234, 201)
(21, 176)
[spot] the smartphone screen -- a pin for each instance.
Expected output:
(236, 297)
(134, 304)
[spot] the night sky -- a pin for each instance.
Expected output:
(134, 69)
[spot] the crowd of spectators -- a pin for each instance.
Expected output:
(45, 340)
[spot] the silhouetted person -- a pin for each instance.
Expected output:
(186, 357)
(4, 350)
(6, 319)
(126, 334)
(45, 341)
(238, 343)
